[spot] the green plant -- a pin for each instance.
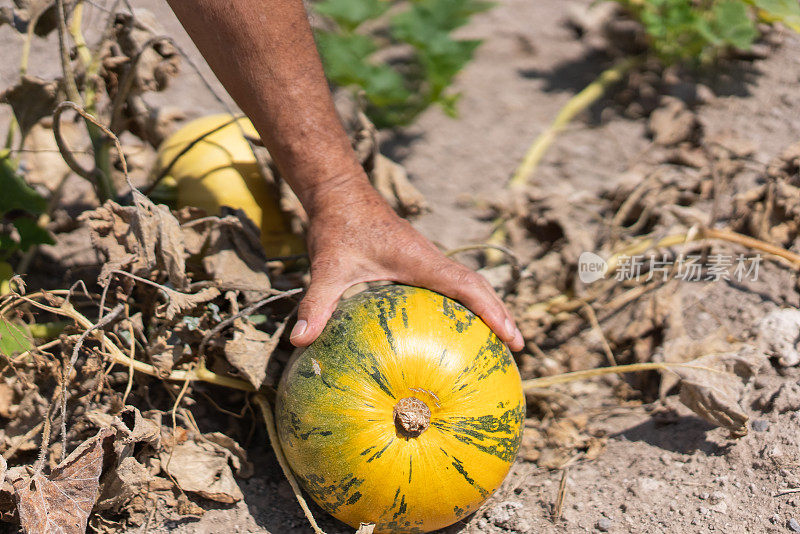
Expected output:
(678, 32)
(20, 208)
(402, 55)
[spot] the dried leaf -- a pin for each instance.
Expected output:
(31, 100)
(164, 352)
(123, 483)
(711, 387)
(366, 528)
(180, 303)
(159, 62)
(229, 249)
(391, 181)
(141, 238)
(29, 412)
(63, 501)
(132, 428)
(243, 467)
(249, 351)
(672, 123)
(203, 469)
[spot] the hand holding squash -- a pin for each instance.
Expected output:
(354, 236)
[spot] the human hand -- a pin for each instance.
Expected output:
(354, 236)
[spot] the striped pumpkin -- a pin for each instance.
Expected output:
(406, 412)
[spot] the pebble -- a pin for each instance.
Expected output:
(604, 524)
(760, 425)
(793, 525)
(703, 496)
(504, 514)
(775, 518)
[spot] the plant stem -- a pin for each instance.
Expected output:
(269, 421)
(547, 381)
(578, 103)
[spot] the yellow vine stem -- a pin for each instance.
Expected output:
(547, 381)
(697, 234)
(269, 421)
(577, 104)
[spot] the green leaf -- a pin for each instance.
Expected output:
(13, 338)
(30, 233)
(16, 194)
(786, 11)
(447, 15)
(352, 13)
(345, 56)
(733, 24)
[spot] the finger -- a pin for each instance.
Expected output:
(475, 292)
(315, 309)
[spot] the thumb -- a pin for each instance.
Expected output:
(314, 311)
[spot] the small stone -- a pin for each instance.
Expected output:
(774, 518)
(604, 524)
(717, 496)
(504, 514)
(703, 510)
(793, 525)
(703, 496)
(721, 507)
(760, 425)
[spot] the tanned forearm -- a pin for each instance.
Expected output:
(264, 54)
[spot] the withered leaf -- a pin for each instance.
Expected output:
(201, 468)
(123, 483)
(249, 351)
(142, 238)
(711, 387)
(131, 426)
(158, 62)
(244, 468)
(391, 181)
(62, 501)
(366, 528)
(229, 249)
(31, 100)
(183, 302)
(158, 226)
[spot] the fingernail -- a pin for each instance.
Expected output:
(299, 328)
(510, 330)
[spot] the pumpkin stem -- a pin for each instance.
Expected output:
(411, 416)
